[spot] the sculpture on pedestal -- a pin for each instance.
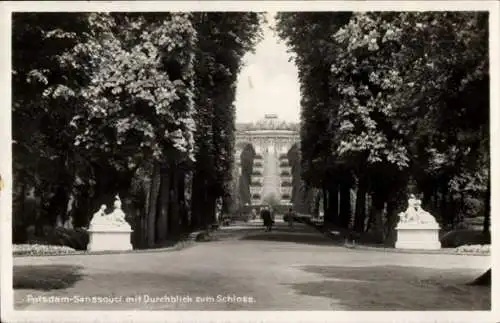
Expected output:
(109, 231)
(118, 216)
(114, 219)
(417, 228)
(415, 214)
(99, 217)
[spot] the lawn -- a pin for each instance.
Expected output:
(388, 288)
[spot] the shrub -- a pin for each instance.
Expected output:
(203, 237)
(256, 196)
(285, 173)
(19, 234)
(77, 239)
(459, 238)
(473, 206)
(286, 183)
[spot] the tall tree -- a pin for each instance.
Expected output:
(394, 80)
(223, 39)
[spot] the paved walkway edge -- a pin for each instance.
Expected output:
(443, 251)
(180, 246)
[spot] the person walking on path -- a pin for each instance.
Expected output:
(266, 217)
(254, 214)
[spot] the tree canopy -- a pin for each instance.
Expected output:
(393, 99)
(131, 103)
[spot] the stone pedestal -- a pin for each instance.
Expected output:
(109, 239)
(418, 236)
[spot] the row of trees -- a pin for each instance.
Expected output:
(134, 104)
(393, 103)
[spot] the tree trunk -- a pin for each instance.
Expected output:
(444, 210)
(377, 212)
(325, 199)
(332, 213)
(20, 217)
(174, 224)
(82, 207)
(427, 200)
(154, 192)
(435, 198)
(163, 205)
(146, 192)
(393, 206)
(182, 203)
(58, 205)
(104, 188)
(345, 205)
(212, 209)
(197, 201)
(452, 215)
(487, 212)
(360, 212)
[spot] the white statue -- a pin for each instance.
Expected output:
(117, 217)
(109, 231)
(415, 213)
(424, 217)
(114, 219)
(99, 217)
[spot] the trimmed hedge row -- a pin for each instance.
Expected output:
(457, 238)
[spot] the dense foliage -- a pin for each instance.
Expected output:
(392, 103)
(223, 40)
(129, 103)
(142, 105)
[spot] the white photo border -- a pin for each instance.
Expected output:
(6, 261)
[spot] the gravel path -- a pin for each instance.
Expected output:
(249, 269)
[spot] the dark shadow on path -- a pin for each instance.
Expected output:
(46, 277)
(284, 235)
(398, 288)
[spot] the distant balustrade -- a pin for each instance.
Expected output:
(258, 168)
(255, 189)
(285, 196)
(285, 189)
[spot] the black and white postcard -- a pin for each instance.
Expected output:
(253, 161)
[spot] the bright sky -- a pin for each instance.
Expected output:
(268, 83)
